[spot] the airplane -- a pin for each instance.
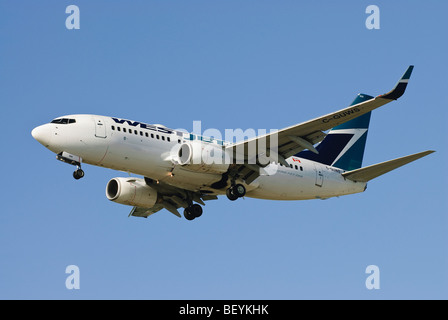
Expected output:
(317, 159)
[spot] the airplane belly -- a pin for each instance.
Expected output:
(190, 180)
(285, 185)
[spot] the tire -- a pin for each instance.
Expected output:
(230, 195)
(188, 214)
(196, 210)
(78, 174)
(239, 190)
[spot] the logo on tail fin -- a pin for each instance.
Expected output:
(344, 145)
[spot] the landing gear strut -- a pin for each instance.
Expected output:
(236, 191)
(193, 211)
(74, 161)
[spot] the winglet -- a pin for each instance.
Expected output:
(400, 88)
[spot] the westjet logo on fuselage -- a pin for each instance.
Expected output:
(143, 125)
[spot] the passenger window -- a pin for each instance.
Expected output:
(297, 168)
(163, 138)
(118, 129)
(290, 166)
(146, 134)
(152, 135)
(168, 138)
(157, 136)
(124, 129)
(113, 127)
(301, 168)
(178, 141)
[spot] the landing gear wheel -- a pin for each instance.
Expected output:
(196, 210)
(239, 190)
(235, 192)
(188, 214)
(78, 174)
(230, 195)
(192, 212)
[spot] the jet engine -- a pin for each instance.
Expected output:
(131, 192)
(202, 157)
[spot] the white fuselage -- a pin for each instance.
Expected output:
(146, 150)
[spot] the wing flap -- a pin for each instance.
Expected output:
(371, 172)
(145, 212)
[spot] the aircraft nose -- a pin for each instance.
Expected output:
(42, 134)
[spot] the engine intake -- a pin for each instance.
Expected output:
(202, 157)
(131, 192)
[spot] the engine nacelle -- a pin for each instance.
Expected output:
(131, 192)
(202, 157)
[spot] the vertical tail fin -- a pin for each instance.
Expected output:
(344, 145)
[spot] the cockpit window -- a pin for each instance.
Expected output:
(63, 121)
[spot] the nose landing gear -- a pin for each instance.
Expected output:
(74, 161)
(78, 173)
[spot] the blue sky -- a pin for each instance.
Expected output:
(230, 64)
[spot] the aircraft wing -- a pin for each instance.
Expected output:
(145, 212)
(278, 146)
(172, 198)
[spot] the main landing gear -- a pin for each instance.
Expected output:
(192, 211)
(236, 191)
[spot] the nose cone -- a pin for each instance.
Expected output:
(42, 134)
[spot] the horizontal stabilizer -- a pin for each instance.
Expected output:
(371, 172)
